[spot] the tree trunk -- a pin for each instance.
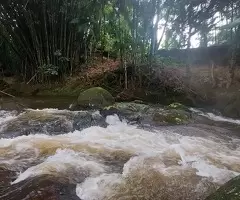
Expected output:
(188, 70)
(164, 29)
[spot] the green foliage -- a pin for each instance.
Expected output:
(48, 37)
(8, 58)
(48, 69)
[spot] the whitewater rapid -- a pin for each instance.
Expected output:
(122, 161)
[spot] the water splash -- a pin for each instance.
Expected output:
(154, 163)
(214, 117)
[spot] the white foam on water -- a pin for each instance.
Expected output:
(208, 170)
(62, 163)
(114, 120)
(215, 117)
(5, 117)
(96, 188)
(54, 111)
(207, 157)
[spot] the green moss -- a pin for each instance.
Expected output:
(176, 118)
(173, 117)
(95, 97)
(132, 107)
(229, 191)
(109, 107)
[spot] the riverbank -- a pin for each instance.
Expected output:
(210, 87)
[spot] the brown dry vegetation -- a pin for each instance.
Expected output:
(208, 85)
(213, 86)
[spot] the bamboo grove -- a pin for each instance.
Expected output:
(41, 39)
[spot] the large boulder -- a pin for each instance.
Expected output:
(229, 191)
(129, 110)
(96, 97)
(150, 114)
(41, 187)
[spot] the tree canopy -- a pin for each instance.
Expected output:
(45, 38)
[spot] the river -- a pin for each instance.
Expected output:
(61, 154)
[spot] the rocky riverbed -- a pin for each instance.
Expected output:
(125, 151)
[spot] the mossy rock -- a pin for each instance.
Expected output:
(174, 117)
(229, 191)
(131, 107)
(130, 110)
(95, 97)
(126, 108)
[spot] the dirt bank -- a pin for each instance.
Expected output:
(209, 86)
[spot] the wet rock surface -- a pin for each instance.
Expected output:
(229, 191)
(85, 119)
(153, 115)
(56, 122)
(38, 188)
(50, 122)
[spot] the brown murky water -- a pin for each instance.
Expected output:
(45, 155)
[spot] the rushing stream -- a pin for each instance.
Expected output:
(105, 158)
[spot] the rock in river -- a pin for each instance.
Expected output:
(229, 191)
(173, 116)
(151, 114)
(37, 188)
(95, 97)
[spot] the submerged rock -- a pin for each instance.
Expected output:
(32, 122)
(50, 122)
(172, 117)
(129, 110)
(229, 191)
(95, 97)
(150, 114)
(44, 187)
(84, 120)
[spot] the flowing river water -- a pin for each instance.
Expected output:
(108, 158)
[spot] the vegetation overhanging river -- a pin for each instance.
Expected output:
(61, 154)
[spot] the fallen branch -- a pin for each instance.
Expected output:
(32, 78)
(7, 94)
